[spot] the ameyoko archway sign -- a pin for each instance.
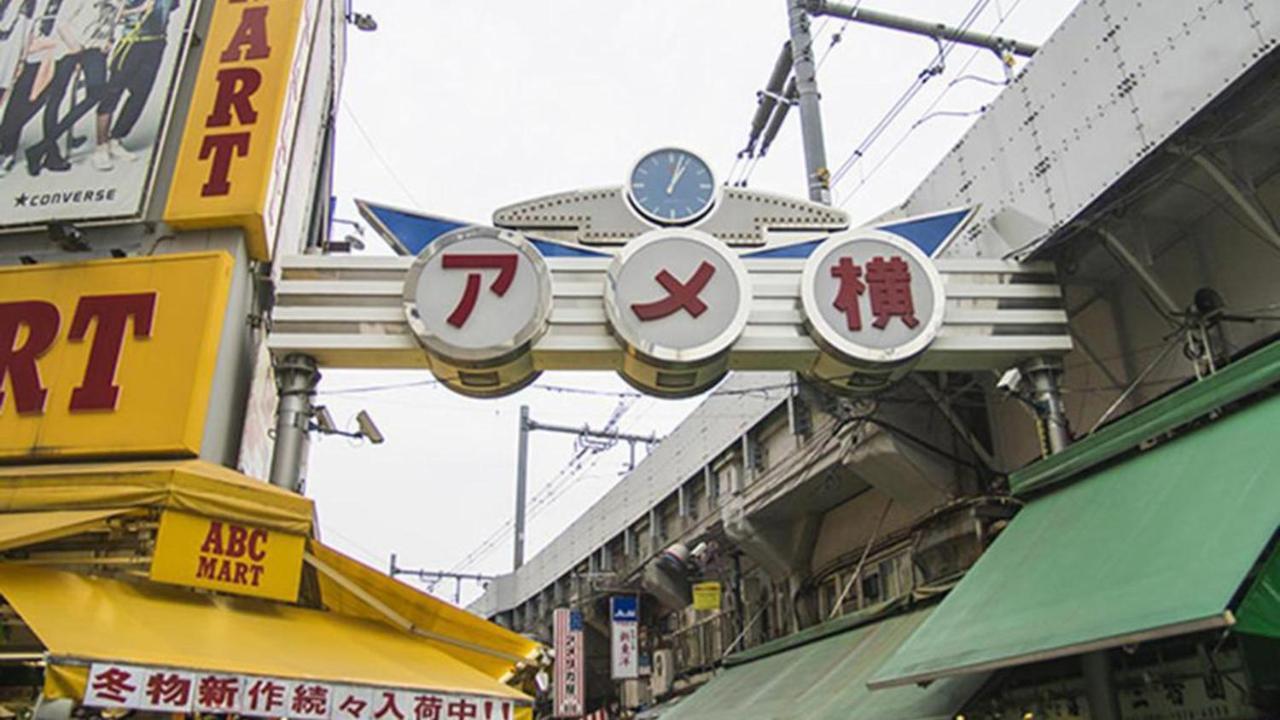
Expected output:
(671, 284)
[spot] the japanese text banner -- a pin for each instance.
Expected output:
(151, 689)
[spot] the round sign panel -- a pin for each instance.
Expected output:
(478, 296)
(677, 297)
(870, 297)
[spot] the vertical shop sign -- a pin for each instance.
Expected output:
(238, 134)
(624, 654)
(569, 663)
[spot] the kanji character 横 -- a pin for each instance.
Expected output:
(504, 263)
(889, 282)
(112, 685)
(353, 706)
(462, 709)
(169, 689)
(848, 292)
(214, 692)
(680, 295)
(427, 707)
(310, 700)
(265, 695)
(388, 707)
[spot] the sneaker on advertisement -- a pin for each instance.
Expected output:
(119, 152)
(102, 158)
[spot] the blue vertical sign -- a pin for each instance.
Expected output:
(624, 656)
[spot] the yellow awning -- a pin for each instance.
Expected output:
(192, 485)
(83, 619)
(29, 528)
(352, 588)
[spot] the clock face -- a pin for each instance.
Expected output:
(672, 186)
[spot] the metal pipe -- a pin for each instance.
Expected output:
(815, 151)
(1155, 291)
(296, 379)
(1099, 686)
(1233, 190)
(779, 116)
(522, 480)
(1095, 666)
(769, 98)
(1044, 375)
(568, 430)
(939, 31)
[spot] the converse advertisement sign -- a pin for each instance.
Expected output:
(85, 89)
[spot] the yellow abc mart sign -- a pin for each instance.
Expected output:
(228, 556)
(238, 135)
(109, 358)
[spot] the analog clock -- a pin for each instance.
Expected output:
(671, 187)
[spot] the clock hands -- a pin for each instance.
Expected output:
(681, 164)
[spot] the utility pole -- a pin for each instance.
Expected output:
(435, 576)
(522, 481)
(528, 425)
(806, 75)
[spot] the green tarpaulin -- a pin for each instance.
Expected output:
(1152, 547)
(826, 679)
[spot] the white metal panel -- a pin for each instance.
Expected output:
(1116, 80)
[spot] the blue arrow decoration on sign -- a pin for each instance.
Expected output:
(409, 232)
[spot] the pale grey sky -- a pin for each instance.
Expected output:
(457, 107)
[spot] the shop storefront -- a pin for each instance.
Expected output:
(139, 576)
(1149, 548)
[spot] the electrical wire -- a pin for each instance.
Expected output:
(935, 67)
(378, 155)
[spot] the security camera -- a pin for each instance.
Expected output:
(368, 429)
(1010, 382)
(324, 420)
(363, 21)
(68, 237)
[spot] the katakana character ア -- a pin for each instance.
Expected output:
(890, 285)
(388, 707)
(217, 693)
(462, 709)
(427, 707)
(847, 294)
(504, 263)
(112, 684)
(353, 706)
(679, 295)
(265, 695)
(310, 700)
(168, 689)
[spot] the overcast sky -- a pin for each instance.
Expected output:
(457, 107)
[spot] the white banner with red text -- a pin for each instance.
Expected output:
(152, 689)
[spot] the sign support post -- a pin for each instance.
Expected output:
(296, 379)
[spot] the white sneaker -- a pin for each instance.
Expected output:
(102, 158)
(119, 152)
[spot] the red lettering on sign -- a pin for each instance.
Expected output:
(213, 539)
(851, 288)
(98, 390)
(236, 537)
(18, 362)
(221, 148)
(257, 536)
(504, 263)
(890, 283)
(679, 295)
(250, 36)
(236, 87)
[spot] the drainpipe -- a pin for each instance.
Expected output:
(1095, 667)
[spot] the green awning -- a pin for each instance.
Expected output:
(826, 679)
(1153, 547)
